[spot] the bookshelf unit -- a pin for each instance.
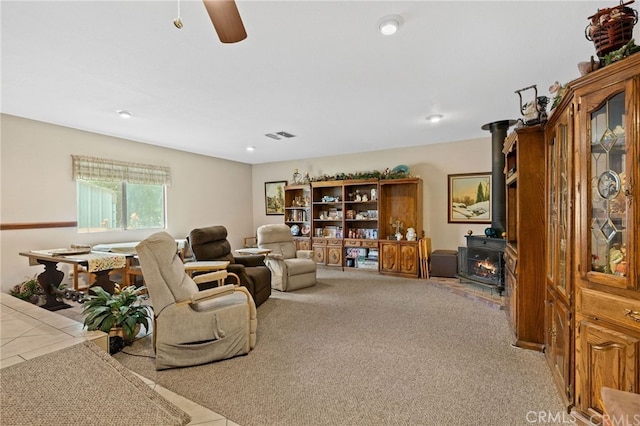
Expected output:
(297, 214)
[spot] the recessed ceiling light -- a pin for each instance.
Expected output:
(434, 118)
(251, 148)
(124, 113)
(390, 24)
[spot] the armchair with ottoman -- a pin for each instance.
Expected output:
(291, 269)
(210, 243)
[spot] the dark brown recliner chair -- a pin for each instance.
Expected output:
(211, 243)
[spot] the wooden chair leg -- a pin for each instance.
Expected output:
(77, 270)
(75, 276)
(424, 251)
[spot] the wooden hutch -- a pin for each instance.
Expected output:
(591, 236)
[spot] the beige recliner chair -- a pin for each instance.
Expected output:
(291, 269)
(193, 327)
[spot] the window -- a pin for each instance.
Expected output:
(116, 195)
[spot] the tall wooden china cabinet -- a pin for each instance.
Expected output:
(592, 310)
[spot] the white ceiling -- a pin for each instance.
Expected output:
(317, 69)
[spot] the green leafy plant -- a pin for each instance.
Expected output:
(30, 291)
(123, 309)
(628, 49)
(375, 174)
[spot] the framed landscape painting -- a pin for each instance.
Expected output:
(470, 198)
(274, 197)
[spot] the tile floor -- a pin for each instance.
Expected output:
(27, 331)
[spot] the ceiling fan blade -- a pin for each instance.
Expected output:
(226, 20)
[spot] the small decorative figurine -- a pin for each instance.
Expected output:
(411, 234)
(617, 260)
(297, 177)
(534, 111)
(397, 225)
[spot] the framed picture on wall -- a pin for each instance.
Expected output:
(274, 197)
(470, 198)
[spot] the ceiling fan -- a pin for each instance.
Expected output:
(226, 20)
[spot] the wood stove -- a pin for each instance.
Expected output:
(482, 260)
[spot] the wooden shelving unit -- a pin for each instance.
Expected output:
(297, 214)
(348, 222)
(524, 151)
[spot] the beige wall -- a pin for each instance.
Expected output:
(36, 186)
(430, 162)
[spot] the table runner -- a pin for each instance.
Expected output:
(102, 261)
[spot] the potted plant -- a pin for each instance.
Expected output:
(121, 310)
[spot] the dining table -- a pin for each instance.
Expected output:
(98, 263)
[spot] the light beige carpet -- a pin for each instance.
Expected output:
(364, 349)
(80, 385)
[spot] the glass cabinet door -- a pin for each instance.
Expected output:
(552, 209)
(558, 211)
(564, 265)
(609, 207)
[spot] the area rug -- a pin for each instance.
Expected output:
(360, 348)
(80, 385)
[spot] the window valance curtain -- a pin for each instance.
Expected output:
(92, 168)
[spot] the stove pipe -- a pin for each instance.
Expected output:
(498, 131)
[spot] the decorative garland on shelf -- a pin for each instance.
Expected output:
(375, 174)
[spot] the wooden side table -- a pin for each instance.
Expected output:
(205, 266)
(217, 269)
(253, 251)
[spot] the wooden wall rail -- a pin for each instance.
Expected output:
(38, 225)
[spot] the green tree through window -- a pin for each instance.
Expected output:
(107, 206)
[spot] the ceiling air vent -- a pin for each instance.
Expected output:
(286, 135)
(279, 135)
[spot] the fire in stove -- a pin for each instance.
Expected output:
(482, 261)
(484, 265)
(485, 269)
